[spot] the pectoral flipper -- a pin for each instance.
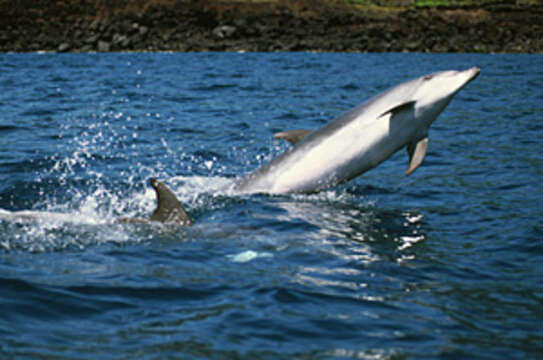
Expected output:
(417, 152)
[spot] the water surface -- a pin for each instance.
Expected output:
(445, 263)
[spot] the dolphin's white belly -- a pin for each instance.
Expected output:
(345, 154)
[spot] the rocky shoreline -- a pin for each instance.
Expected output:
(181, 25)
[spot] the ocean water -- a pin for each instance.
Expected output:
(445, 263)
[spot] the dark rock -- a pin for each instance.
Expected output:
(125, 43)
(63, 47)
(103, 26)
(95, 24)
(103, 46)
(118, 38)
(92, 39)
(224, 31)
(85, 49)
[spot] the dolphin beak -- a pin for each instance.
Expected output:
(473, 73)
(467, 76)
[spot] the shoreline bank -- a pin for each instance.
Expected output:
(178, 25)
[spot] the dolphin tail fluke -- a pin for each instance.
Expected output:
(168, 209)
(292, 136)
(417, 152)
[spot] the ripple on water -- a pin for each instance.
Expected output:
(443, 263)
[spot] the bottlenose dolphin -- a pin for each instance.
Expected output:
(168, 210)
(361, 138)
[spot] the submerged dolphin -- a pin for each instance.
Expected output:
(361, 138)
(168, 210)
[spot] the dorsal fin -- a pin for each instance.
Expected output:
(292, 136)
(168, 209)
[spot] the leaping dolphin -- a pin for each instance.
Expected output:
(361, 138)
(168, 210)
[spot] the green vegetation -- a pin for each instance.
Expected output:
(441, 3)
(459, 3)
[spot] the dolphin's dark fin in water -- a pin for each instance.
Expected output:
(169, 209)
(293, 136)
(417, 152)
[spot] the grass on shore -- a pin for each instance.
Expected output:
(410, 3)
(318, 6)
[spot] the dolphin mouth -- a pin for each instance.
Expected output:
(474, 72)
(467, 76)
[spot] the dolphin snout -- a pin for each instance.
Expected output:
(474, 72)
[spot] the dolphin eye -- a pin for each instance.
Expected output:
(428, 77)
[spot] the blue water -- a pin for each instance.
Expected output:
(445, 263)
